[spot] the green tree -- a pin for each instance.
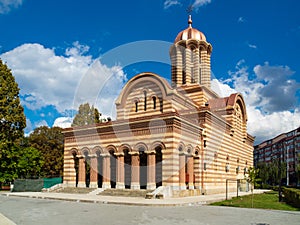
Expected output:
(253, 179)
(30, 163)
(12, 118)
(12, 124)
(21, 162)
(9, 162)
(50, 142)
(86, 115)
(263, 173)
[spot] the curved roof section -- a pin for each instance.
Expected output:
(229, 102)
(190, 33)
(163, 85)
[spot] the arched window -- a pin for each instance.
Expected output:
(193, 54)
(154, 102)
(145, 100)
(161, 105)
(183, 67)
(136, 106)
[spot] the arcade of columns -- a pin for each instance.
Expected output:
(135, 170)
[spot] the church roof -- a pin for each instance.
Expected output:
(190, 33)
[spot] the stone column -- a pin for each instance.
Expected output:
(190, 171)
(120, 171)
(151, 185)
(94, 172)
(81, 173)
(182, 185)
(135, 170)
(106, 171)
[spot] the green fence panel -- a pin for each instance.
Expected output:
(49, 182)
(21, 185)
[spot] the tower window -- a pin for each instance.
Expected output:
(192, 66)
(183, 67)
(145, 100)
(161, 105)
(154, 102)
(200, 81)
(136, 106)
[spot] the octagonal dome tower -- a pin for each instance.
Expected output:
(190, 58)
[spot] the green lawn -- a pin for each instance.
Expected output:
(268, 200)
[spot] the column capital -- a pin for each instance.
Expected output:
(119, 154)
(105, 155)
(133, 153)
(150, 152)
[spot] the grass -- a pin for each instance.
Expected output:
(268, 200)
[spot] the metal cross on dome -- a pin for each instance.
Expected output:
(190, 9)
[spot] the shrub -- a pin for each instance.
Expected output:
(292, 196)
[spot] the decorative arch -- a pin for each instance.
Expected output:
(74, 152)
(123, 147)
(197, 151)
(110, 148)
(140, 145)
(160, 82)
(85, 151)
(181, 147)
(156, 144)
(97, 150)
(235, 99)
(189, 149)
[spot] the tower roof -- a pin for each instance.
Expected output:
(190, 33)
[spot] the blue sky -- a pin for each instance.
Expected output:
(52, 46)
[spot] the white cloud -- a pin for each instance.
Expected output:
(45, 78)
(41, 123)
(7, 5)
(170, 3)
(48, 79)
(65, 82)
(63, 122)
(270, 96)
(222, 89)
(241, 20)
(252, 46)
(198, 3)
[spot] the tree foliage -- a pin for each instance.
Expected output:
(271, 173)
(50, 142)
(20, 162)
(12, 118)
(86, 115)
(12, 124)
(253, 178)
(30, 163)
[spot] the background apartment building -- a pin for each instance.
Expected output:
(285, 148)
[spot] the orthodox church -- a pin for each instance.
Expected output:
(180, 136)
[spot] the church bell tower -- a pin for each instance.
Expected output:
(190, 58)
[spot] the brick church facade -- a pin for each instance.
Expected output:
(182, 136)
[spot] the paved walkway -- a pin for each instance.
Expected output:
(5, 221)
(194, 200)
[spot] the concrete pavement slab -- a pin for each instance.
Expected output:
(5, 221)
(194, 200)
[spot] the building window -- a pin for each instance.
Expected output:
(161, 105)
(154, 102)
(145, 100)
(200, 81)
(192, 66)
(184, 68)
(136, 106)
